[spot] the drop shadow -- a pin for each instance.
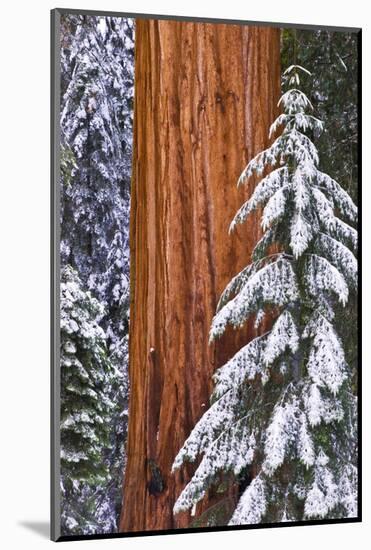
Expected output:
(42, 528)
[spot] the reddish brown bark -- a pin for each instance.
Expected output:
(205, 95)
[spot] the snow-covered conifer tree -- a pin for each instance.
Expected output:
(284, 402)
(97, 73)
(87, 378)
(96, 139)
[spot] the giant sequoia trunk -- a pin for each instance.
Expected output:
(205, 95)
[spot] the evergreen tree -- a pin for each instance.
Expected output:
(333, 59)
(96, 124)
(97, 72)
(87, 375)
(333, 91)
(284, 402)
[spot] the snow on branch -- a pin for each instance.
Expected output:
(326, 363)
(339, 255)
(321, 275)
(319, 407)
(233, 450)
(281, 432)
(252, 505)
(290, 145)
(301, 234)
(305, 444)
(324, 493)
(244, 365)
(323, 209)
(275, 208)
(219, 416)
(298, 121)
(341, 198)
(235, 285)
(283, 335)
(273, 284)
(345, 233)
(267, 187)
(295, 101)
(292, 68)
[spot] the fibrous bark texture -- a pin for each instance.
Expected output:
(205, 95)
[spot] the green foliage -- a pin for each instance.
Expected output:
(67, 164)
(87, 378)
(332, 58)
(97, 73)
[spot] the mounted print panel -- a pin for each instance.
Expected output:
(205, 183)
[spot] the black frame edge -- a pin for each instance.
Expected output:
(225, 528)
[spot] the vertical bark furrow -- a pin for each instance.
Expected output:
(203, 103)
